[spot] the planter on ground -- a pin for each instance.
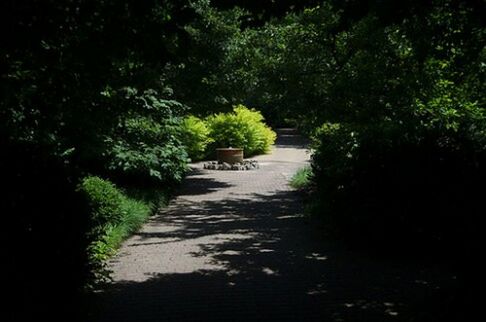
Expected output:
(230, 155)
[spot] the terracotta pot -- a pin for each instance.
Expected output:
(230, 155)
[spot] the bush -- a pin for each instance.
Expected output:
(302, 178)
(114, 215)
(145, 148)
(195, 137)
(104, 201)
(244, 128)
(388, 185)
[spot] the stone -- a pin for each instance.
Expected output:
(226, 166)
(237, 166)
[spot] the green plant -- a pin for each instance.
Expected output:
(244, 128)
(104, 201)
(146, 147)
(395, 186)
(195, 136)
(302, 178)
(259, 136)
(114, 214)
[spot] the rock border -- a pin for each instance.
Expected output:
(238, 166)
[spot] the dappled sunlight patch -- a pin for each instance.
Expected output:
(386, 308)
(169, 255)
(231, 252)
(154, 228)
(226, 237)
(287, 217)
(317, 290)
(269, 271)
(228, 220)
(390, 308)
(206, 217)
(316, 256)
(233, 272)
(265, 250)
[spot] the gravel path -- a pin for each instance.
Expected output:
(235, 246)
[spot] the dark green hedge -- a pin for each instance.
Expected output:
(384, 186)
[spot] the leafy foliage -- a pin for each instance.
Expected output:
(103, 201)
(202, 75)
(145, 144)
(244, 128)
(147, 149)
(114, 215)
(402, 165)
(410, 189)
(102, 88)
(195, 136)
(74, 75)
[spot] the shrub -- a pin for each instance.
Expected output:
(104, 201)
(195, 137)
(225, 130)
(114, 214)
(145, 148)
(259, 136)
(244, 128)
(302, 178)
(389, 185)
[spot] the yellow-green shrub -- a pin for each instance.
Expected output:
(195, 137)
(243, 128)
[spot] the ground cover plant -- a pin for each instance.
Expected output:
(114, 215)
(301, 179)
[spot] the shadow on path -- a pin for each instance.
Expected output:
(266, 262)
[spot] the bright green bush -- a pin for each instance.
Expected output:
(195, 136)
(259, 136)
(225, 130)
(244, 128)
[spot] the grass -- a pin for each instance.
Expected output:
(116, 213)
(137, 206)
(301, 179)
